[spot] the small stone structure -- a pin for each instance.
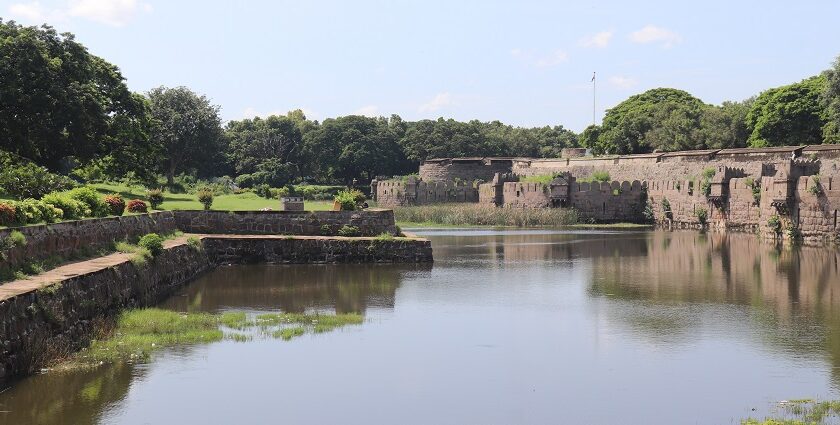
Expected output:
(291, 203)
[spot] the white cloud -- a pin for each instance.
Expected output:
(110, 12)
(368, 111)
(441, 100)
(540, 61)
(34, 13)
(622, 82)
(116, 13)
(654, 34)
(599, 40)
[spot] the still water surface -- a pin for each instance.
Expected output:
(507, 327)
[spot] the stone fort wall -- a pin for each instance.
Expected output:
(798, 188)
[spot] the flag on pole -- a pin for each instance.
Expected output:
(593, 78)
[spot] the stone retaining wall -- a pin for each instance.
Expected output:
(73, 238)
(41, 325)
(84, 237)
(370, 222)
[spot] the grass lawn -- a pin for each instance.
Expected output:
(186, 201)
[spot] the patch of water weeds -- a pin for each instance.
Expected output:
(139, 333)
(801, 412)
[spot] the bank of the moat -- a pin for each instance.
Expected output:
(49, 316)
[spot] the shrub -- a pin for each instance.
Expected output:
(702, 215)
(194, 243)
(116, 204)
(597, 176)
(72, 209)
(326, 230)
(666, 208)
(136, 206)
(90, 197)
(27, 212)
(205, 196)
(647, 213)
(350, 198)
(348, 231)
(7, 214)
(155, 197)
(774, 223)
(277, 193)
(816, 188)
(49, 213)
(755, 185)
(31, 181)
(152, 242)
(318, 193)
(263, 190)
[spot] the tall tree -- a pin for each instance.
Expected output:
(788, 115)
(354, 146)
(267, 149)
(57, 100)
(658, 119)
(187, 129)
(831, 103)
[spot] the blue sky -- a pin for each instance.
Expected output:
(525, 63)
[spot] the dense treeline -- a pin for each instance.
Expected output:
(803, 113)
(65, 110)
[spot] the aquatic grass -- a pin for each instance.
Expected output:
(288, 333)
(137, 334)
(485, 215)
(801, 412)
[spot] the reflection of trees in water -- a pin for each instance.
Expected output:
(792, 295)
(73, 397)
(346, 288)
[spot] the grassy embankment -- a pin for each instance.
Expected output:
(187, 201)
(138, 333)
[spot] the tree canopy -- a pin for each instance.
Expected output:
(788, 115)
(187, 129)
(57, 100)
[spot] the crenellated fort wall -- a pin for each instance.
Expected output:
(780, 192)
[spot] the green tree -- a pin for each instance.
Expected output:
(187, 130)
(58, 101)
(725, 126)
(831, 102)
(658, 119)
(354, 146)
(788, 115)
(266, 149)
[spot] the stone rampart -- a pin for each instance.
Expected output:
(463, 169)
(391, 193)
(609, 202)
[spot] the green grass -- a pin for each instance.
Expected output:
(186, 201)
(139, 333)
(541, 178)
(801, 412)
(483, 215)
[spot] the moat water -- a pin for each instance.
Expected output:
(507, 327)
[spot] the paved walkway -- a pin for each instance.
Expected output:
(66, 271)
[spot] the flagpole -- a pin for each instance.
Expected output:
(593, 98)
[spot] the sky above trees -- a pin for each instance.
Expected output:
(524, 63)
